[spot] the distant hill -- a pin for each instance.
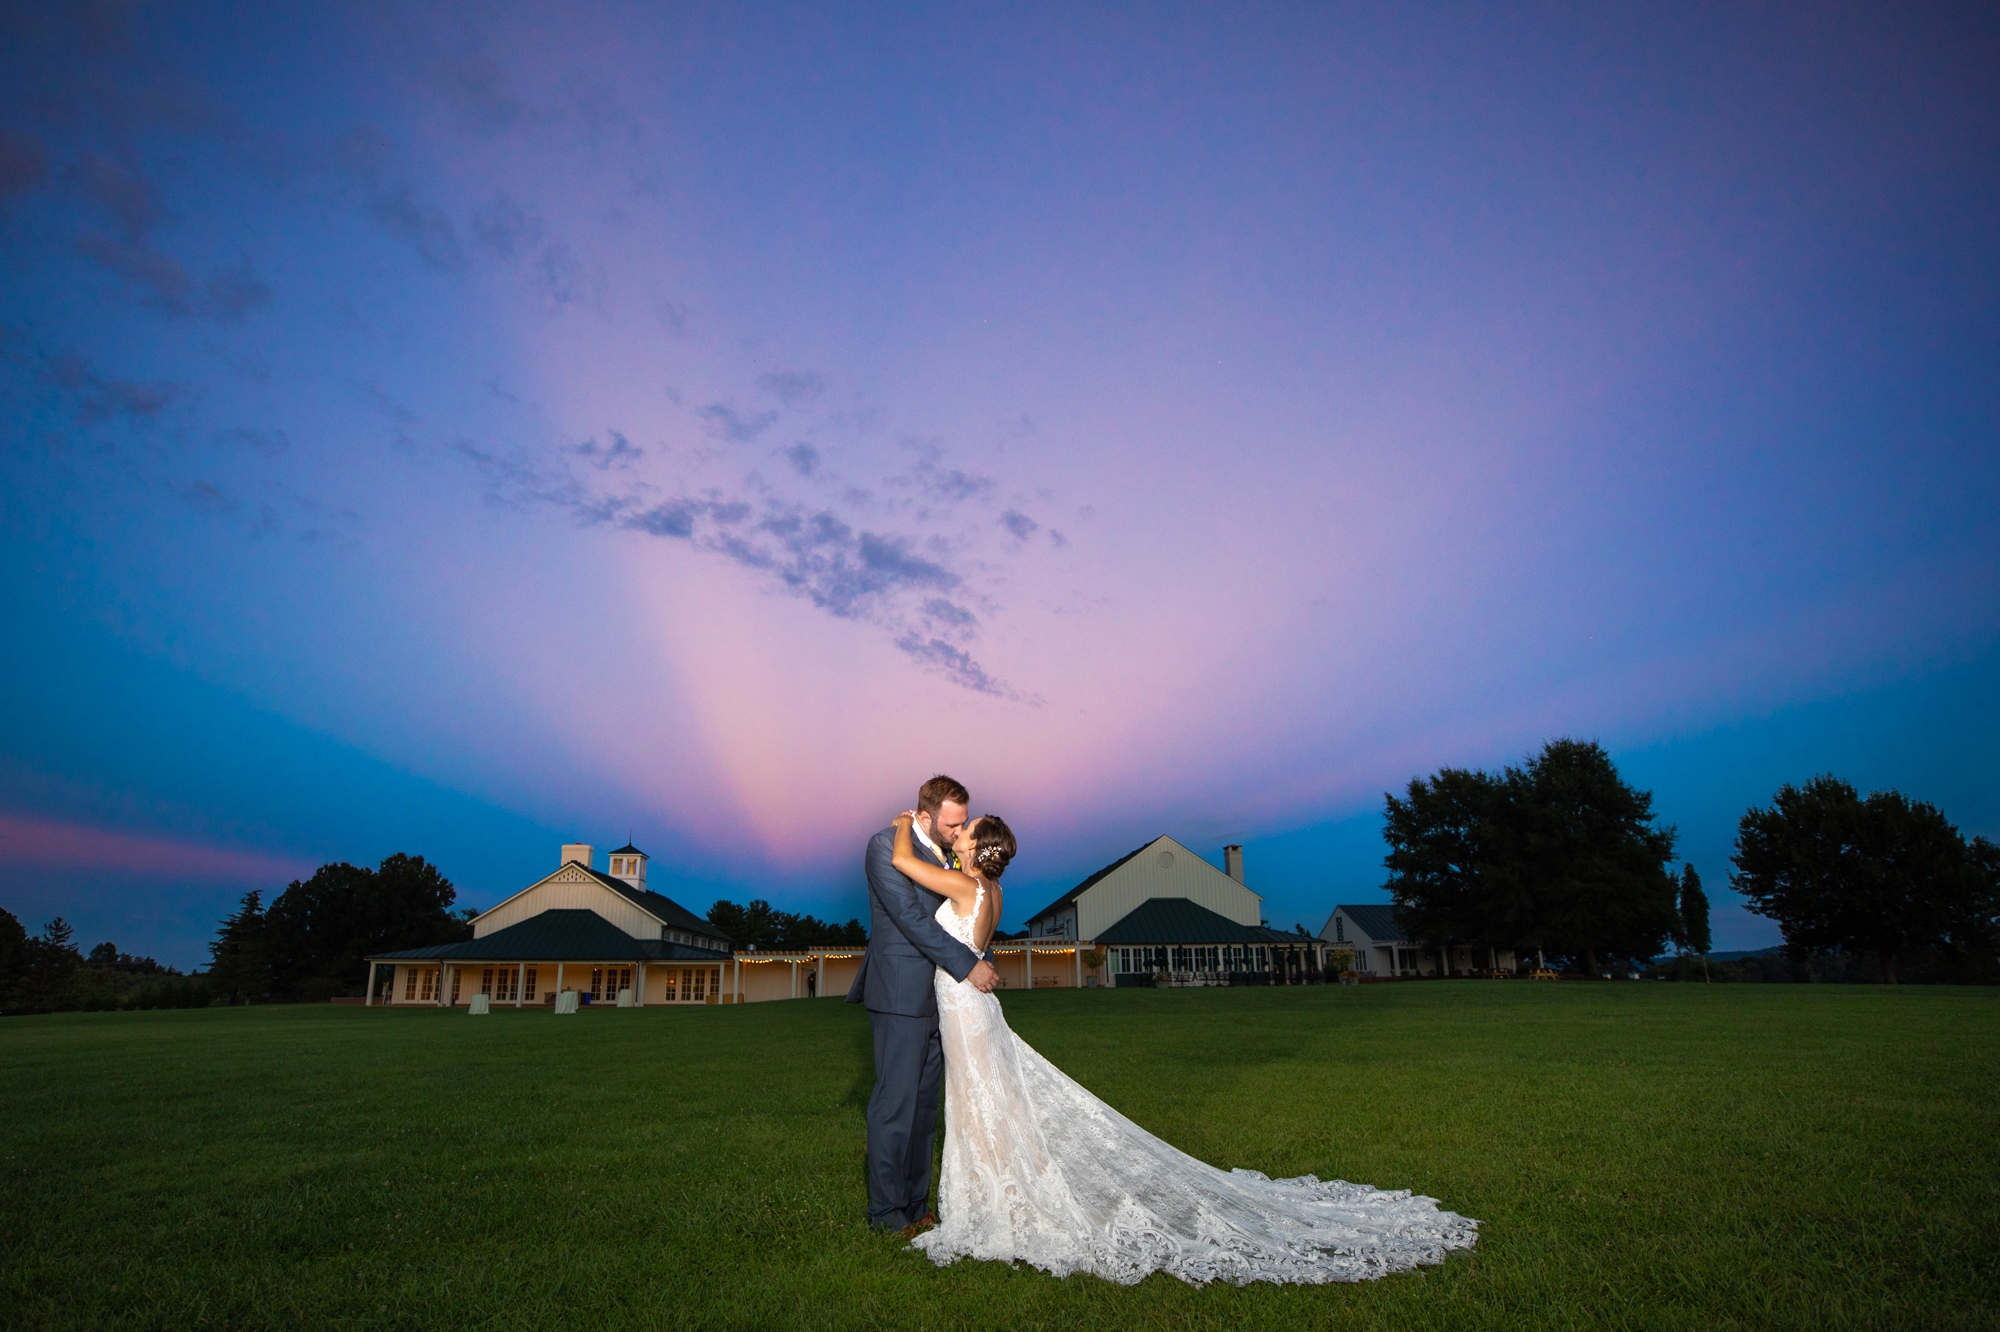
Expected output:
(1740, 953)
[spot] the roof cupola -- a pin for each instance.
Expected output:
(628, 862)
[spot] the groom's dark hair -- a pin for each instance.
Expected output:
(939, 789)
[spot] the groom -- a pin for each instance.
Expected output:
(906, 948)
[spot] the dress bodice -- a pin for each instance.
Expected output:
(961, 927)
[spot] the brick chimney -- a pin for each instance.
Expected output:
(1232, 862)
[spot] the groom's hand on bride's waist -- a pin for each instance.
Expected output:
(982, 977)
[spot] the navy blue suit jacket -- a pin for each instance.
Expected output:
(905, 942)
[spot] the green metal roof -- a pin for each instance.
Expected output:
(1377, 920)
(673, 913)
(566, 934)
(1176, 920)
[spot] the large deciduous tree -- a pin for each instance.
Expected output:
(1595, 863)
(1886, 875)
(1453, 871)
(1559, 854)
(320, 931)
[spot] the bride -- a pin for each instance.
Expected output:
(1038, 1170)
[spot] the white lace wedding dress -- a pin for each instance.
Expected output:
(1038, 1170)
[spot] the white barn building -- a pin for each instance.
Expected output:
(1382, 949)
(606, 936)
(1163, 910)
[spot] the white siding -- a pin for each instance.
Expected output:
(1143, 877)
(569, 887)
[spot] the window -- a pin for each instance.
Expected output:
(427, 982)
(528, 986)
(689, 985)
(606, 982)
(1339, 930)
(409, 983)
(457, 975)
(500, 982)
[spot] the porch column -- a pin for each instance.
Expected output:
(639, 992)
(795, 978)
(1079, 964)
(559, 971)
(1028, 964)
(444, 978)
(736, 981)
(369, 1002)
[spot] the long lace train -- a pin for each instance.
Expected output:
(1038, 1170)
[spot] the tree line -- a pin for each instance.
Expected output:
(765, 928)
(1560, 858)
(49, 972)
(310, 944)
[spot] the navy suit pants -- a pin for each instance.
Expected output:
(902, 1117)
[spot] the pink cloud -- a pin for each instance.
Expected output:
(49, 844)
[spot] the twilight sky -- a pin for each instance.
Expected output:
(461, 431)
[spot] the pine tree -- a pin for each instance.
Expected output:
(240, 969)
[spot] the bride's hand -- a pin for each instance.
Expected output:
(907, 816)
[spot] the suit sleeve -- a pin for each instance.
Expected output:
(907, 912)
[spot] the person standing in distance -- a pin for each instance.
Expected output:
(906, 949)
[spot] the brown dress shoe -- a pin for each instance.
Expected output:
(916, 1228)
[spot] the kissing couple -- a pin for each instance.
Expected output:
(1036, 1169)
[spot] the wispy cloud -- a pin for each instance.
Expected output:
(98, 397)
(53, 844)
(620, 452)
(365, 155)
(1020, 524)
(725, 422)
(131, 203)
(791, 387)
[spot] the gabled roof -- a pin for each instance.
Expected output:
(670, 912)
(1377, 920)
(562, 934)
(1088, 883)
(1176, 920)
(662, 908)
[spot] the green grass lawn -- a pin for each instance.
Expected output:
(1641, 1156)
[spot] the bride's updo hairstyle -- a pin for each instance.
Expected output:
(992, 845)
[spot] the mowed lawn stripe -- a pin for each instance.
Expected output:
(1644, 1156)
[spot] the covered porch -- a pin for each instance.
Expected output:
(533, 962)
